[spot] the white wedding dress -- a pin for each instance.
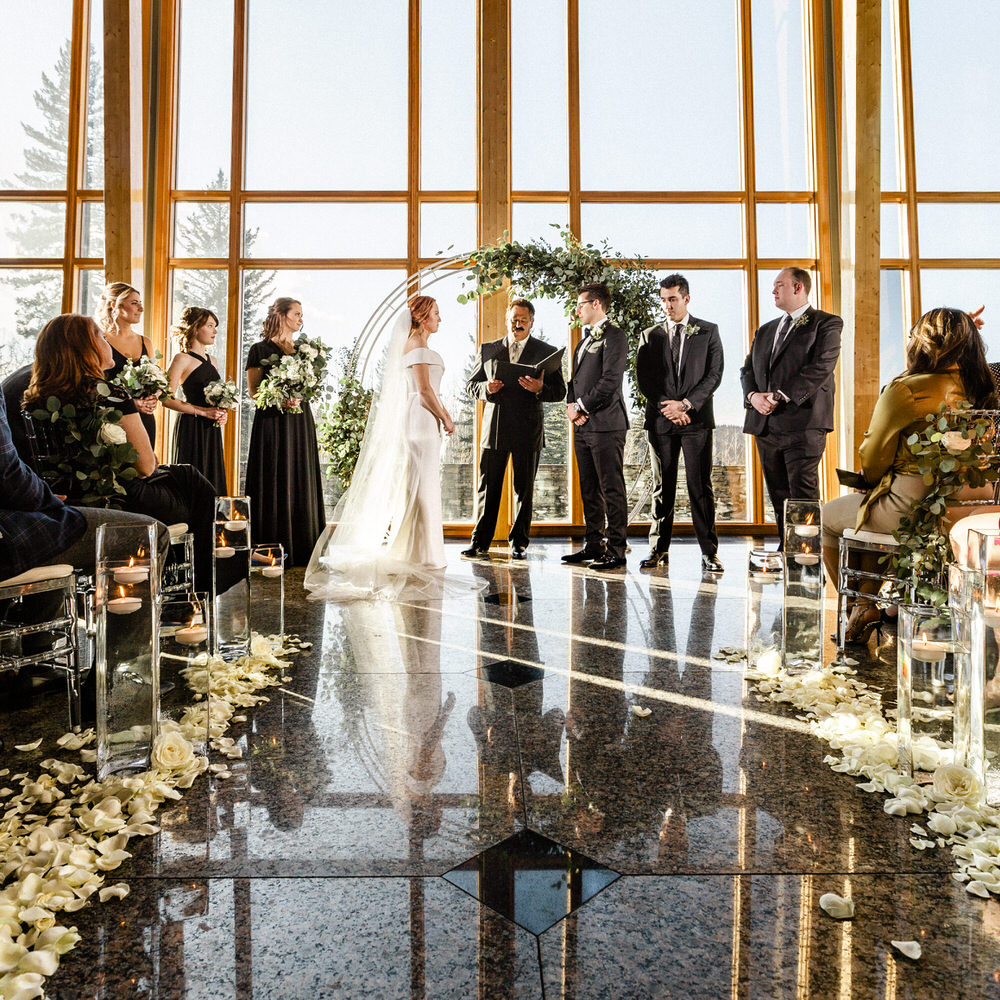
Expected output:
(388, 539)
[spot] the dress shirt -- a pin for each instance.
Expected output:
(579, 354)
(511, 341)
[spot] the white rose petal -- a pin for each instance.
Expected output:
(58, 939)
(118, 891)
(43, 962)
(11, 953)
(978, 888)
(24, 986)
(942, 823)
(113, 434)
(26, 747)
(911, 949)
(641, 711)
(838, 907)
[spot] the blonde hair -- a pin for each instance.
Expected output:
(112, 297)
(192, 320)
(276, 312)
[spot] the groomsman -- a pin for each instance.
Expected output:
(788, 392)
(679, 367)
(596, 408)
(513, 427)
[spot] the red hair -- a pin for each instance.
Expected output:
(420, 309)
(67, 360)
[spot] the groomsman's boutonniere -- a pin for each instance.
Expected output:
(596, 336)
(691, 329)
(801, 321)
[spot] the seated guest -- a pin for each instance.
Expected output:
(13, 388)
(945, 363)
(70, 357)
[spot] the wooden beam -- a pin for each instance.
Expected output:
(868, 125)
(123, 150)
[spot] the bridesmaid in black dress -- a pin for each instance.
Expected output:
(119, 309)
(283, 476)
(198, 434)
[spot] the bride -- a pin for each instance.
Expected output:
(388, 534)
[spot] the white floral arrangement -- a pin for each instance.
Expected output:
(297, 376)
(143, 378)
(222, 394)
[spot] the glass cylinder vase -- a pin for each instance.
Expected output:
(185, 633)
(925, 677)
(231, 577)
(764, 626)
(267, 588)
(977, 680)
(803, 586)
(127, 654)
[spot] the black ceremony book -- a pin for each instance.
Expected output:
(509, 372)
(852, 480)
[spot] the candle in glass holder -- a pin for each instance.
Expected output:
(224, 552)
(131, 573)
(191, 635)
(806, 558)
(929, 650)
(124, 605)
(272, 571)
(806, 530)
(239, 525)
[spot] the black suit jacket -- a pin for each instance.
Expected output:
(13, 388)
(597, 381)
(700, 375)
(802, 369)
(513, 417)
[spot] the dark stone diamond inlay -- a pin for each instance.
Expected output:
(531, 880)
(504, 597)
(510, 673)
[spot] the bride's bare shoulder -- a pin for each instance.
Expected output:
(412, 344)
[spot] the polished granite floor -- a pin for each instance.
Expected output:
(455, 799)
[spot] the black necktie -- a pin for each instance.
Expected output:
(675, 349)
(779, 337)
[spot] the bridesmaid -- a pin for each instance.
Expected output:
(119, 310)
(283, 478)
(197, 438)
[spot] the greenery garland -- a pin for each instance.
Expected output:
(540, 270)
(95, 455)
(953, 452)
(341, 422)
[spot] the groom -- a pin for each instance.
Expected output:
(596, 408)
(513, 427)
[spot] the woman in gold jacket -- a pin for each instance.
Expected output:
(945, 363)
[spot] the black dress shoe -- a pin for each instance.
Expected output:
(603, 565)
(583, 555)
(518, 552)
(711, 564)
(474, 552)
(655, 559)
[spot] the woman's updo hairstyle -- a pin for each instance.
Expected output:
(420, 309)
(276, 312)
(944, 338)
(112, 297)
(192, 320)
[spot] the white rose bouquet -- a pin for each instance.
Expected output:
(142, 378)
(222, 394)
(295, 376)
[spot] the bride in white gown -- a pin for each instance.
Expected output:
(388, 535)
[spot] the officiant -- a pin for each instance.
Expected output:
(513, 377)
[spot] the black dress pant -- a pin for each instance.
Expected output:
(600, 461)
(492, 466)
(791, 470)
(664, 455)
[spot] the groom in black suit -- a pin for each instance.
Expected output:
(597, 411)
(788, 391)
(513, 426)
(679, 367)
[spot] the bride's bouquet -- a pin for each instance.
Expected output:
(142, 378)
(222, 394)
(296, 376)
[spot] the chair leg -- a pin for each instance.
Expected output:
(842, 588)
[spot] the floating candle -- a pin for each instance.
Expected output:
(236, 525)
(191, 635)
(929, 650)
(224, 552)
(131, 574)
(272, 571)
(806, 530)
(806, 558)
(124, 605)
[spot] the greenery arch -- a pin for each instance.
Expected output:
(536, 269)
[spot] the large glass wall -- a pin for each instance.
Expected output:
(51, 169)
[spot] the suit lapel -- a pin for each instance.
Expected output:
(799, 333)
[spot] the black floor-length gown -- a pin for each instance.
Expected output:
(283, 478)
(198, 440)
(148, 420)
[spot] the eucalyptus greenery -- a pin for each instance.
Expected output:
(341, 422)
(541, 270)
(954, 451)
(89, 448)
